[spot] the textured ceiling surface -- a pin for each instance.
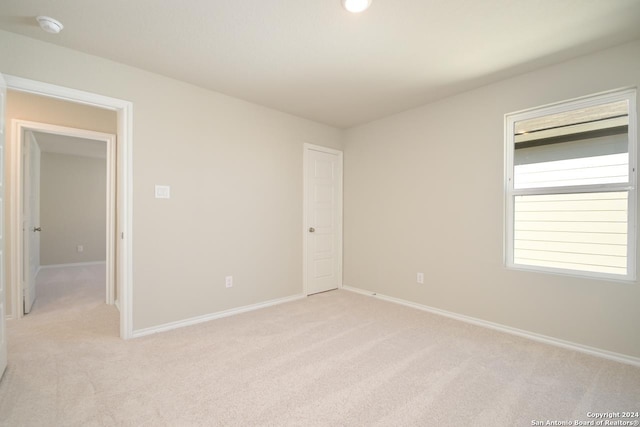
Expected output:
(62, 144)
(313, 59)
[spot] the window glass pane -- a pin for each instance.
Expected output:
(584, 231)
(580, 147)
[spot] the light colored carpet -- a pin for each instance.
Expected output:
(333, 359)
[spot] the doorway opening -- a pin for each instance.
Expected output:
(78, 211)
(123, 217)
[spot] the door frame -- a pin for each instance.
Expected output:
(123, 176)
(18, 133)
(305, 210)
(3, 249)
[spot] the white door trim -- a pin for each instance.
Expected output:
(124, 110)
(305, 210)
(18, 128)
(3, 306)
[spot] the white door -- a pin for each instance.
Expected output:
(3, 335)
(31, 218)
(323, 219)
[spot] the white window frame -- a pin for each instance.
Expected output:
(510, 119)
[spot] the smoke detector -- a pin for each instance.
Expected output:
(49, 25)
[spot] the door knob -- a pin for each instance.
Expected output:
(312, 230)
(37, 229)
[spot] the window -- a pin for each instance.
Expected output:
(571, 187)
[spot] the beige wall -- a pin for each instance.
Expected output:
(235, 171)
(40, 109)
(424, 193)
(72, 209)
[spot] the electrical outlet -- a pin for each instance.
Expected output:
(228, 281)
(420, 278)
(80, 248)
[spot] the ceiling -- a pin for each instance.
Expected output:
(313, 59)
(71, 145)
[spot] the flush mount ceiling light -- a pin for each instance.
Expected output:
(49, 25)
(356, 6)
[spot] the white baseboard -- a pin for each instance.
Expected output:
(117, 304)
(618, 357)
(75, 264)
(207, 317)
(79, 264)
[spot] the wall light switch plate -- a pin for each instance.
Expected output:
(163, 192)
